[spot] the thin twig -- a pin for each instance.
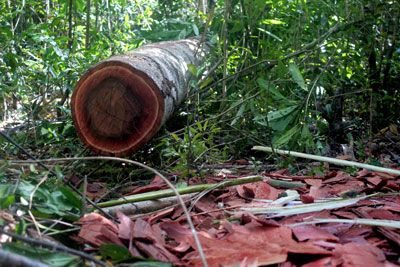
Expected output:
(35, 223)
(335, 161)
(35, 189)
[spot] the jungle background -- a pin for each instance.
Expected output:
(315, 76)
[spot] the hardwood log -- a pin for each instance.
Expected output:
(121, 102)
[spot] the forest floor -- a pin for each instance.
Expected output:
(315, 215)
(334, 219)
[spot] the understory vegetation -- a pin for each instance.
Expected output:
(314, 76)
(304, 75)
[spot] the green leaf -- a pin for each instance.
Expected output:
(287, 136)
(280, 119)
(239, 114)
(278, 114)
(272, 22)
(115, 252)
(275, 94)
(195, 29)
(32, 168)
(71, 197)
(58, 172)
(43, 131)
(5, 202)
(205, 82)
(297, 77)
(192, 69)
(5, 189)
(306, 137)
(182, 184)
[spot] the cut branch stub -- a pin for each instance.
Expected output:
(120, 103)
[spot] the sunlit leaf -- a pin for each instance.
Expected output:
(270, 34)
(192, 69)
(272, 22)
(195, 29)
(6, 201)
(297, 77)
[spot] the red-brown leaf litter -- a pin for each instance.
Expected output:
(231, 237)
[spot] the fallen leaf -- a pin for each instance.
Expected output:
(96, 189)
(259, 190)
(142, 230)
(156, 184)
(324, 262)
(266, 245)
(97, 230)
(362, 255)
(159, 215)
(314, 182)
(310, 232)
(125, 226)
(155, 251)
(234, 249)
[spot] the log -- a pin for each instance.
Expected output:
(121, 102)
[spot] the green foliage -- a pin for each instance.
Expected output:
(44, 255)
(48, 201)
(298, 73)
(194, 145)
(115, 252)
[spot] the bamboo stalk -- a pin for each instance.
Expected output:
(155, 195)
(182, 191)
(285, 184)
(327, 159)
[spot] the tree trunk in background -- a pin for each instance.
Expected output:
(87, 37)
(120, 103)
(70, 5)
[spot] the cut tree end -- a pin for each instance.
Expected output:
(116, 108)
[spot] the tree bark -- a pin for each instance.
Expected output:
(120, 103)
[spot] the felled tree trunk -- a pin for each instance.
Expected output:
(120, 103)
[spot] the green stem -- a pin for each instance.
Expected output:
(199, 188)
(327, 159)
(182, 191)
(285, 184)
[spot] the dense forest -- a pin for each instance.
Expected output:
(320, 77)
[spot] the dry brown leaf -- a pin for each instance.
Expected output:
(310, 232)
(98, 230)
(359, 255)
